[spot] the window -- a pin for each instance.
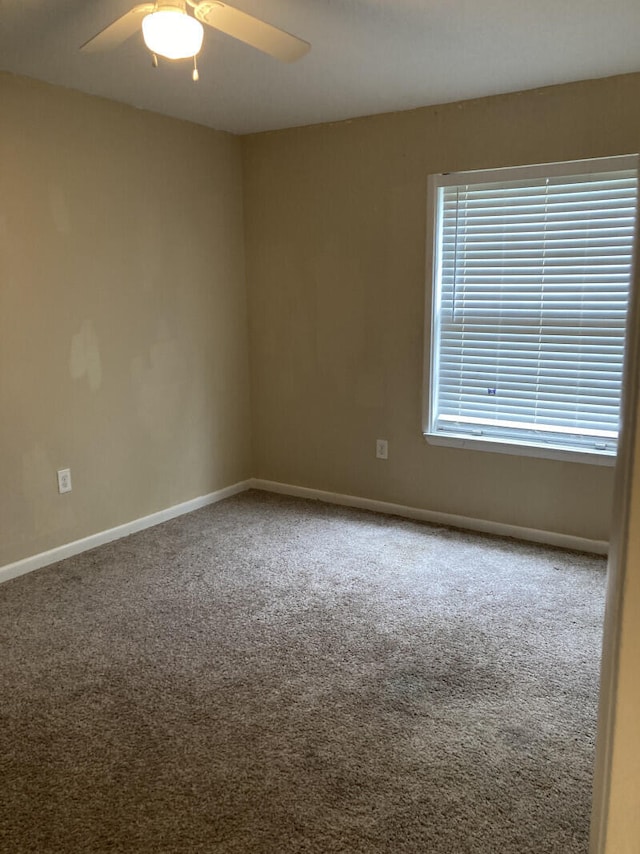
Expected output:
(531, 271)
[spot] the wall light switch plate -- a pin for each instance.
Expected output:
(382, 449)
(64, 480)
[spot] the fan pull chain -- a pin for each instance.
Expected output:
(154, 60)
(195, 76)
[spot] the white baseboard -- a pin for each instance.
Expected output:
(551, 538)
(20, 567)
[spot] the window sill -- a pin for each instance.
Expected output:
(549, 452)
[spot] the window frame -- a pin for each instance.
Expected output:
(431, 357)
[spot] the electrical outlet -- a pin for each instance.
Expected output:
(382, 449)
(64, 480)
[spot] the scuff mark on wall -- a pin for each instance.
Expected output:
(85, 356)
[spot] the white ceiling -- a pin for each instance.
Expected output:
(367, 56)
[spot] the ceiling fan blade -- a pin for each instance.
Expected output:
(251, 31)
(119, 31)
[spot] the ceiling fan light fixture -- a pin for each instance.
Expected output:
(172, 33)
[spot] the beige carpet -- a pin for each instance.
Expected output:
(278, 675)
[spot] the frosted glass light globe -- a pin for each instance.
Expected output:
(171, 33)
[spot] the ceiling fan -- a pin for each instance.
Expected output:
(171, 31)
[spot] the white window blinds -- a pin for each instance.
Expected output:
(532, 280)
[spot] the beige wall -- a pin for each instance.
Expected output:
(123, 340)
(335, 232)
(123, 345)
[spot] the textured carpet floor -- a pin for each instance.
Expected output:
(278, 675)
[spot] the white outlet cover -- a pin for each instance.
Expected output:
(382, 449)
(64, 480)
